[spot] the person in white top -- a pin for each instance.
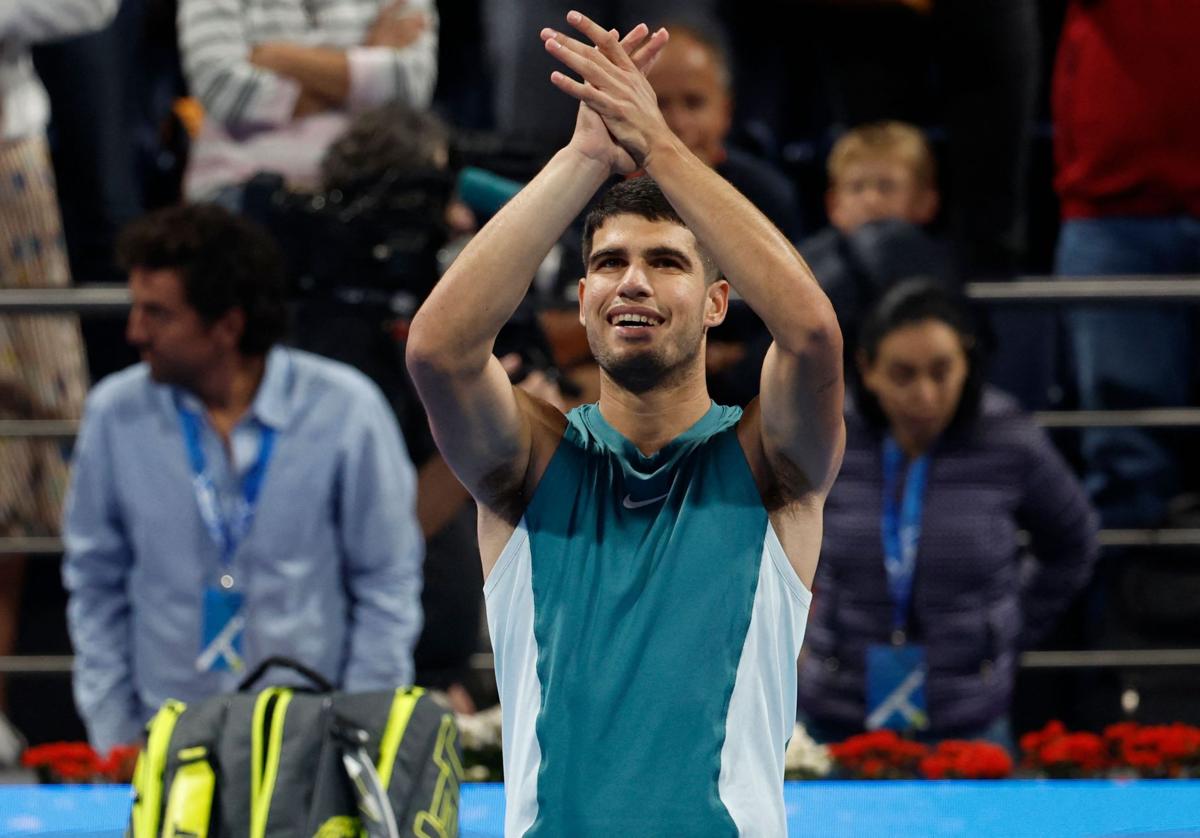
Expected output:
(42, 372)
(279, 80)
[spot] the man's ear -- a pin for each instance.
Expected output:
(716, 304)
(229, 327)
(582, 289)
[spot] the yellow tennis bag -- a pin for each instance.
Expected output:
(296, 762)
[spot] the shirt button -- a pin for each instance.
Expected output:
(831, 664)
(226, 581)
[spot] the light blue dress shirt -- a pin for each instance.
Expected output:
(330, 571)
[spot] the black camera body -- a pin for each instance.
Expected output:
(375, 247)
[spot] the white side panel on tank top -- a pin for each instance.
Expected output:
(763, 705)
(508, 595)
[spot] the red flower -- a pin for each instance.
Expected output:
(117, 767)
(1032, 742)
(1083, 752)
(68, 761)
(936, 767)
(872, 767)
(877, 754)
(967, 760)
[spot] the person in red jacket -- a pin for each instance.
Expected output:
(1126, 105)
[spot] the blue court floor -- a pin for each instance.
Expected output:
(1010, 809)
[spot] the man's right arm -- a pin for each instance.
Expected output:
(96, 568)
(484, 428)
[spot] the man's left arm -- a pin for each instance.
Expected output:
(802, 431)
(396, 62)
(801, 386)
(382, 551)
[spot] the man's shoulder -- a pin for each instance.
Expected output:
(129, 389)
(329, 397)
(329, 379)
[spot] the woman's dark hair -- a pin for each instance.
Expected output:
(225, 262)
(916, 301)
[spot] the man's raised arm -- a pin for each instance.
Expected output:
(802, 431)
(484, 429)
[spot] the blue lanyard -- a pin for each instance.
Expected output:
(901, 526)
(225, 534)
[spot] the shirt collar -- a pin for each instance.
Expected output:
(271, 404)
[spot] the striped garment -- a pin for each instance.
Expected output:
(249, 125)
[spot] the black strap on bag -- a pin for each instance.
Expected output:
(318, 681)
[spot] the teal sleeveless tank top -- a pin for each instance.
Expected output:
(646, 623)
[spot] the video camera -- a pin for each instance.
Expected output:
(375, 242)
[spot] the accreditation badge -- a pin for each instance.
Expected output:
(896, 687)
(221, 632)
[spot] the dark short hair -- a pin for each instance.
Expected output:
(642, 197)
(915, 301)
(225, 262)
(392, 138)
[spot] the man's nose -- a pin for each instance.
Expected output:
(634, 283)
(925, 393)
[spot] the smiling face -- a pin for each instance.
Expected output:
(170, 335)
(918, 375)
(647, 301)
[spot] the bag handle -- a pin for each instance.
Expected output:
(316, 678)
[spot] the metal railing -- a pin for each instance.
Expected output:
(1104, 290)
(114, 300)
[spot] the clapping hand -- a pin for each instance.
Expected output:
(594, 137)
(614, 85)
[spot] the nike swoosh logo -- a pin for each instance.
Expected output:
(630, 503)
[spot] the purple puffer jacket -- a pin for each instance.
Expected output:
(974, 605)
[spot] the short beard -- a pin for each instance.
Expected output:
(644, 371)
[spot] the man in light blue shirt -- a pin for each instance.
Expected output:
(231, 499)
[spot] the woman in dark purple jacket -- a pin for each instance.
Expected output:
(928, 640)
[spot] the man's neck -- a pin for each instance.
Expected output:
(652, 419)
(229, 390)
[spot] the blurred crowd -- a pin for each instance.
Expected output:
(280, 183)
